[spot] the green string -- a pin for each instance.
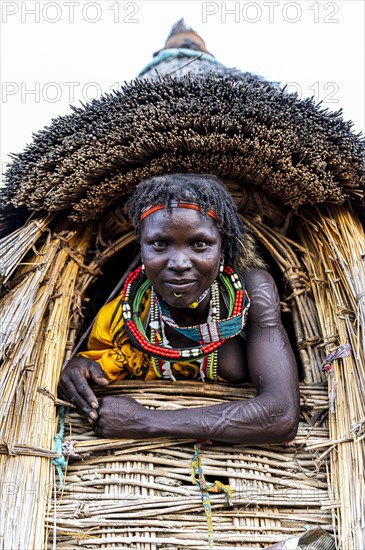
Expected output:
(230, 291)
(198, 479)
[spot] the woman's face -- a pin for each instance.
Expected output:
(181, 252)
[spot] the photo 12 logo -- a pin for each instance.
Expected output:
(50, 92)
(270, 12)
(326, 93)
(54, 92)
(70, 12)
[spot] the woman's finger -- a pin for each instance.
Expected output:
(84, 390)
(80, 403)
(97, 374)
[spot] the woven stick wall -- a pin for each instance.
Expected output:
(244, 131)
(138, 494)
(335, 259)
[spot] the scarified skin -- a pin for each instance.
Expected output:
(265, 296)
(266, 299)
(247, 416)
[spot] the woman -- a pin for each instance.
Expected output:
(183, 314)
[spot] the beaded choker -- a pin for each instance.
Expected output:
(195, 304)
(210, 335)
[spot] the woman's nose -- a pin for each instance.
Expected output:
(179, 261)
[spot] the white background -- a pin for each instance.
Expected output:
(62, 52)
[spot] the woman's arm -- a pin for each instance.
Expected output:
(271, 416)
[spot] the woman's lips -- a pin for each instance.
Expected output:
(178, 286)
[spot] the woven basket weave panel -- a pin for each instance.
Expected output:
(147, 498)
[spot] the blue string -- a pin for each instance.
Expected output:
(60, 462)
(171, 53)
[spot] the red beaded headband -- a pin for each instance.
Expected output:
(176, 204)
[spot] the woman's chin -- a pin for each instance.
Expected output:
(179, 296)
(181, 301)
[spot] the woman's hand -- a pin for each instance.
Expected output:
(74, 385)
(121, 417)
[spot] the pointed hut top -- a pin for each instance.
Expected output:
(180, 26)
(183, 36)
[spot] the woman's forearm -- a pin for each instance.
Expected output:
(257, 420)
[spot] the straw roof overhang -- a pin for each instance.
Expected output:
(247, 130)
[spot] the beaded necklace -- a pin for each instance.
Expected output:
(212, 335)
(216, 329)
(208, 363)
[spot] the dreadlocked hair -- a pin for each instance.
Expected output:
(209, 193)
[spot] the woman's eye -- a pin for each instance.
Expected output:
(159, 244)
(200, 245)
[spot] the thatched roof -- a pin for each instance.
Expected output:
(246, 129)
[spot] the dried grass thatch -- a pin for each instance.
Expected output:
(246, 130)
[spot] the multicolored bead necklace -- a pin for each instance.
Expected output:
(210, 335)
(208, 363)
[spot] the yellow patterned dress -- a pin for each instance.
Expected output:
(122, 360)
